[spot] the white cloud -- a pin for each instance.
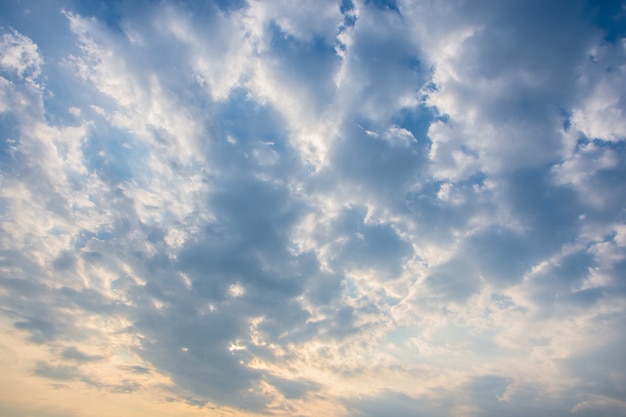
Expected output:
(19, 55)
(390, 207)
(601, 111)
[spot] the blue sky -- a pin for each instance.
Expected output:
(303, 208)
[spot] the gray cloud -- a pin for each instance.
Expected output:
(268, 202)
(76, 355)
(61, 373)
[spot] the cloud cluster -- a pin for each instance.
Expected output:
(350, 208)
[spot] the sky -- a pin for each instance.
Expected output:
(347, 208)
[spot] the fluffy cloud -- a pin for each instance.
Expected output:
(351, 208)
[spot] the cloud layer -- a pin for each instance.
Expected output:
(348, 208)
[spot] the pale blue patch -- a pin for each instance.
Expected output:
(608, 15)
(385, 5)
(114, 155)
(247, 122)
(9, 135)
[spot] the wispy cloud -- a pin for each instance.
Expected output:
(348, 208)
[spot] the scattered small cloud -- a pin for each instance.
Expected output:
(360, 208)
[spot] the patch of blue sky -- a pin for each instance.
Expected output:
(566, 115)
(224, 5)
(82, 238)
(385, 5)
(114, 154)
(346, 6)
(309, 64)
(617, 146)
(416, 120)
(54, 37)
(610, 16)
(347, 9)
(109, 12)
(9, 136)
(247, 121)
(349, 20)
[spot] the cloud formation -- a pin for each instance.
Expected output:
(348, 208)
